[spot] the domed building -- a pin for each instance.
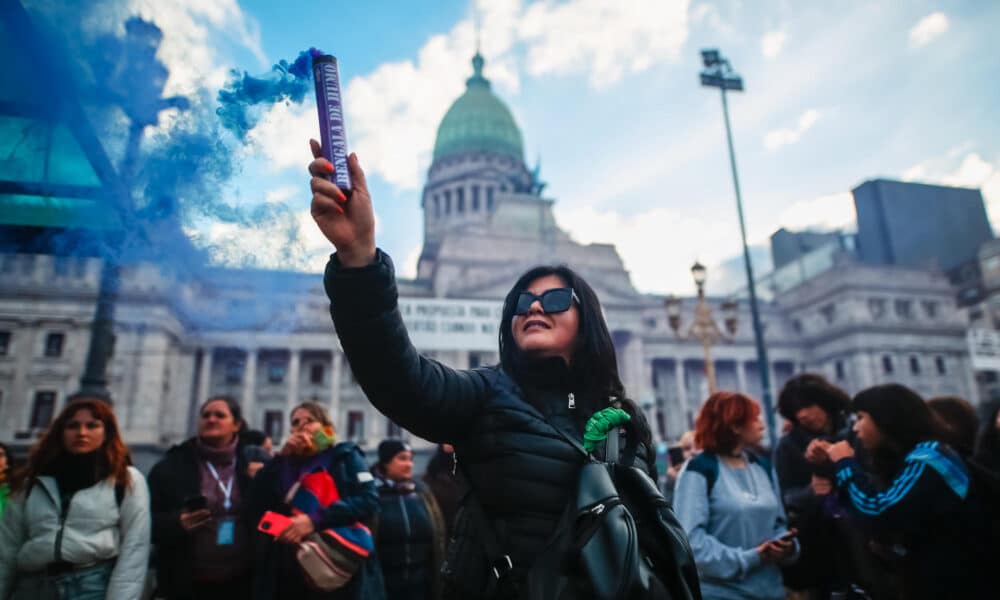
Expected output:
(485, 219)
(265, 336)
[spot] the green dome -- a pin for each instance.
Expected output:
(478, 121)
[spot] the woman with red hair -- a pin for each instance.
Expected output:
(77, 525)
(728, 501)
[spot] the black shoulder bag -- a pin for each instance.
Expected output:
(617, 539)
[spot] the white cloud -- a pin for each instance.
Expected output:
(645, 239)
(282, 135)
(929, 28)
(408, 269)
(393, 112)
(784, 137)
(972, 171)
(772, 44)
(603, 38)
(192, 32)
(288, 241)
(282, 194)
(834, 211)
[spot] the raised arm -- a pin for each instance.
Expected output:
(422, 395)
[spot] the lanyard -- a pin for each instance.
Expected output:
(227, 489)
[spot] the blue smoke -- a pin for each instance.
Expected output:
(285, 83)
(163, 184)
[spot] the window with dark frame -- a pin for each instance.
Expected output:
(838, 368)
(475, 198)
(887, 364)
(42, 409)
(489, 199)
(54, 345)
(276, 372)
(460, 200)
(447, 202)
(355, 425)
(317, 373)
(274, 423)
(914, 365)
(234, 372)
(940, 365)
(4, 343)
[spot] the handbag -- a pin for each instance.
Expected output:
(330, 558)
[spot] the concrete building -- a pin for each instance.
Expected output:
(266, 337)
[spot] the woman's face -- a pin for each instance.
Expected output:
(813, 419)
(83, 433)
(303, 421)
(216, 424)
(752, 433)
(867, 431)
(543, 335)
(400, 468)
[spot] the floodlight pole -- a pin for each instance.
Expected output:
(719, 74)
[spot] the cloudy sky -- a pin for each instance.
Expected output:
(607, 96)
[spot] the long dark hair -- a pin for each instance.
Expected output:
(903, 419)
(594, 363)
(113, 456)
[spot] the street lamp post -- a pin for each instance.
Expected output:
(719, 73)
(703, 328)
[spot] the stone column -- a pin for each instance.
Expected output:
(741, 375)
(20, 397)
(205, 375)
(292, 398)
(336, 368)
(250, 390)
(682, 398)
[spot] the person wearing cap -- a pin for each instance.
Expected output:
(410, 533)
(916, 496)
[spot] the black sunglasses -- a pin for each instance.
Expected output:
(556, 300)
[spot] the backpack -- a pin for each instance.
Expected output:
(617, 538)
(707, 464)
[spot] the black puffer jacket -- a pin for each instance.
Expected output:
(409, 539)
(510, 440)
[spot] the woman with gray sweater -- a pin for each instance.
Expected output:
(727, 499)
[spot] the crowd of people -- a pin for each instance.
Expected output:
(881, 496)
(79, 522)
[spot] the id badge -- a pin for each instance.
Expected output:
(226, 532)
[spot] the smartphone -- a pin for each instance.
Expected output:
(785, 537)
(195, 503)
(273, 523)
(676, 454)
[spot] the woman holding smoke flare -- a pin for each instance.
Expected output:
(517, 428)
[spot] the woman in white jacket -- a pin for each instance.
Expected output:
(77, 525)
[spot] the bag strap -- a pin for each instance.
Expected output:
(500, 563)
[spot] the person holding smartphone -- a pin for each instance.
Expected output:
(286, 505)
(203, 546)
(729, 503)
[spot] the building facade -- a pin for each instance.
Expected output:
(265, 337)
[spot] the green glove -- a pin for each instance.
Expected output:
(600, 424)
